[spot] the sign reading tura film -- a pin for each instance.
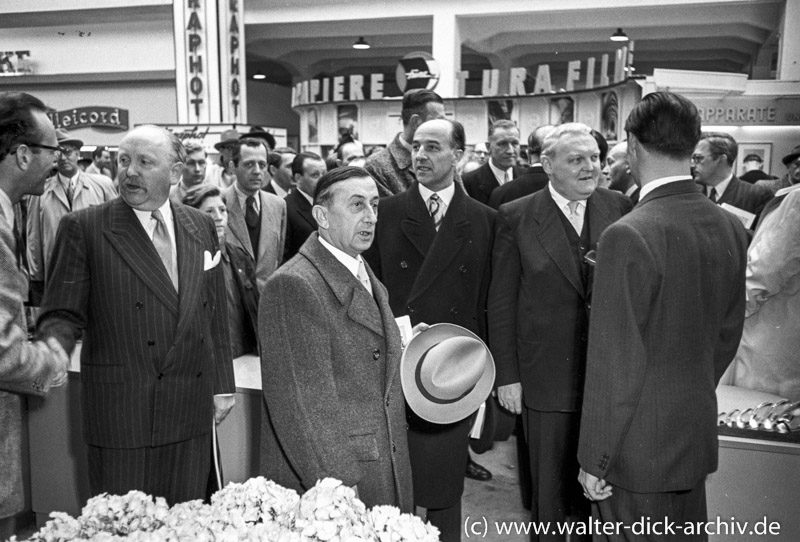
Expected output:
(209, 49)
(420, 70)
(112, 118)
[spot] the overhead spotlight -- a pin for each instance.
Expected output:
(259, 75)
(361, 44)
(619, 35)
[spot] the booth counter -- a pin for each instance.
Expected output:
(757, 481)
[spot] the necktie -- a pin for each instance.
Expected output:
(70, 193)
(712, 195)
(163, 245)
(435, 209)
(575, 216)
(363, 277)
(251, 219)
(505, 177)
(22, 261)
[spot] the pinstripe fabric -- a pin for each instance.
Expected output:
(151, 361)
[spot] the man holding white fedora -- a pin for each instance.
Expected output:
(432, 251)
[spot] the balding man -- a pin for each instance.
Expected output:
(534, 180)
(539, 311)
(619, 171)
(139, 278)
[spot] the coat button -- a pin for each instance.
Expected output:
(151, 343)
(199, 374)
(454, 311)
(160, 376)
(394, 448)
(404, 264)
(463, 268)
(387, 403)
(376, 354)
(139, 304)
(410, 309)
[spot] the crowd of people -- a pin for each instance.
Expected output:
(615, 287)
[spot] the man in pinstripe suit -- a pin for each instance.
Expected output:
(138, 277)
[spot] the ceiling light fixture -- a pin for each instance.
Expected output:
(361, 44)
(259, 75)
(619, 35)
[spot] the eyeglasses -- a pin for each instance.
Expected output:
(697, 158)
(59, 150)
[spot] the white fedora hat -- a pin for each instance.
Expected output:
(446, 373)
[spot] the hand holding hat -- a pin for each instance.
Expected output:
(446, 373)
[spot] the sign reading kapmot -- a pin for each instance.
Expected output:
(95, 116)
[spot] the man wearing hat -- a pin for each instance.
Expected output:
(330, 356)
(70, 189)
(792, 177)
(753, 166)
(220, 174)
(259, 133)
(432, 250)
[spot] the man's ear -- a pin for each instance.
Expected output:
(175, 173)
(24, 157)
(458, 154)
(547, 165)
(320, 214)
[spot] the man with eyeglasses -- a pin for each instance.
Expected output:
(27, 154)
(68, 190)
(712, 167)
(256, 219)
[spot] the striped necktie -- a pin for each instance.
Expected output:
(163, 244)
(435, 205)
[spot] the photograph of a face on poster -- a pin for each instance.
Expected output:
(562, 110)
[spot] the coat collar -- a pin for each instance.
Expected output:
(687, 186)
(400, 153)
(303, 208)
(236, 224)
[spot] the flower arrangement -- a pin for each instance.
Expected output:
(256, 510)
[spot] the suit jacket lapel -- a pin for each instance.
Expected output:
(269, 225)
(554, 239)
(236, 223)
(393, 346)
(488, 181)
(599, 220)
(304, 209)
(361, 307)
(453, 232)
(137, 250)
(417, 225)
(58, 191)
(190, 266)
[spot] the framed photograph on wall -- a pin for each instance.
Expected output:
(762, 150)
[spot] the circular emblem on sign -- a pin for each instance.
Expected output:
(417, 70)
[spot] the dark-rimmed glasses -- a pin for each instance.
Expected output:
(59, 150)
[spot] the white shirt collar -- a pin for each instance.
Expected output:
(500, 174)
(148, 222)
(445, 195)
(348, 261)
(561, 201)
(721, 187)
(406, 145)
(242, 197)
(67, 180)
(8, 208)
(629, 192)
(279, 191)
(309, 198)
(652, 185)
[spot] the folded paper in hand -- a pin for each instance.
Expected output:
(747, 218)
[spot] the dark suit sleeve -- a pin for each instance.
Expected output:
(66, 298)
(502, 300)
(732, 324)
(481, 311)
(625, 279)
(298, 381)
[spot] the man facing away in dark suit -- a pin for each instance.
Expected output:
(391, 167)
(28, 150)
(533, 180)
(501, 166)
(432, 250)
(712, 166)
(256, 219)
(333, 404)
(138, 277)
(307, 168)
(666, 321)
(539, 309)
(619, 171)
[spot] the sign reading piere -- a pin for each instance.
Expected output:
(112, 118)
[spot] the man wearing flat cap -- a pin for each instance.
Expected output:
(432, 249)
(70, 189)
(330, 356)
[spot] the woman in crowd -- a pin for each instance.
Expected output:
(240, 272)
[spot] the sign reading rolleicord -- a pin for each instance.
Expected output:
(112, 118)
(420, 70)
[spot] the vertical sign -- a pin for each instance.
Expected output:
(233, 82)
(197, 61)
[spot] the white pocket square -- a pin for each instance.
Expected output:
(209, 262)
